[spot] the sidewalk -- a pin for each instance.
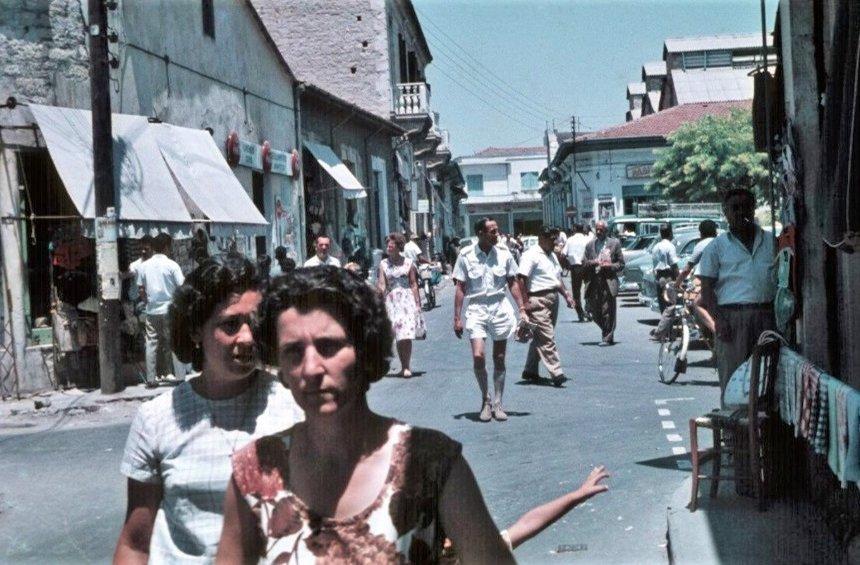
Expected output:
(72, 401)
(730, 529)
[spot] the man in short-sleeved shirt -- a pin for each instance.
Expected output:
(574, 252)
(540, 275)
(664, 258)
(738, 285)
(322, 246)
(483, 273)
(157, 278)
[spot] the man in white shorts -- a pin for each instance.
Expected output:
(482, 273)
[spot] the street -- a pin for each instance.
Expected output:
(62, 498)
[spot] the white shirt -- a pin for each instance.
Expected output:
(159, 276)
(411, 251)
(696, 255)
(134, 290)
(541, 269)
(742, 277)
(664, 255)
(574, 248)
(316, 262)
(485, 274)
(183, 442)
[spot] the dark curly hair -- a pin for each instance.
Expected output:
(345, 296)
(214, 281)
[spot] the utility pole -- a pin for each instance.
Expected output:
(107, 261)
(574, 193)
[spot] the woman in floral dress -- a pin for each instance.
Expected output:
(398, 282)
(347, 485)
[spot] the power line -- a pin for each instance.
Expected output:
(480, 67)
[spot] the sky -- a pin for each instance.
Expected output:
(502, 69)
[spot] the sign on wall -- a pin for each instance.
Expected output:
(639, 170)
(251, 155)
(281, 163)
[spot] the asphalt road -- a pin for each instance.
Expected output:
(62, 498)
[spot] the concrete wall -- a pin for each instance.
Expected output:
(495, 177)
(502, 176)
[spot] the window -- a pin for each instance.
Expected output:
(475, 183)
(208, 9)
(529, 180)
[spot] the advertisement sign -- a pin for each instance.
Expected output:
(605, 210)
(281, 162)
(107, 257)
(251, 155)
(639, 170)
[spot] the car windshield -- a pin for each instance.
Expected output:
(687, 249)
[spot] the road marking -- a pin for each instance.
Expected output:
(668, 424)
(678, 450)
(664, 412)
(663, 401)
(674, 437)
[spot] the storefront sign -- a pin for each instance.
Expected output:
(281, 162)
(639, 171)
(251, 155)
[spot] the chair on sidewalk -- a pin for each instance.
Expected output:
(738, 432)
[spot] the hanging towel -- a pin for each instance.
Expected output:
(809, 400)
(820, 423)
(798, 397)
(787, 369)
(852, 454)
(834, 460)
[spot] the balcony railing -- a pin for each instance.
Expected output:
(411, 99)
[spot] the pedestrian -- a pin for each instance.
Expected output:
(347, 485)
(573, 253)
(144, 253)
(177, 457)
(482, 274)
(264, 267)
(412, 251)
(664, 258)
(398, 283)
(707, 231)
(322, 245)
(541, 282)
(738, 285)
(603, 261)
(157, 278)
(282, 263)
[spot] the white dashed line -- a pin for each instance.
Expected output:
(668, 424)
(678, 450)
(664, 412)
(674, 437)
(660, 402)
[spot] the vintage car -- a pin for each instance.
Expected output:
(634, 271)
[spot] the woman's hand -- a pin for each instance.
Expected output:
(592, 484)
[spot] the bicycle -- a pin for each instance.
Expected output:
(429, 275)
(684, 330)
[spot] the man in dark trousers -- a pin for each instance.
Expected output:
(603, 261)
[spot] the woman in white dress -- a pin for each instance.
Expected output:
(398, 282)
(177, 457)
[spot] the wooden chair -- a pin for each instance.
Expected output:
(742, 428)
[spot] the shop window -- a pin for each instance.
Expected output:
(475, 184)
(529, 180)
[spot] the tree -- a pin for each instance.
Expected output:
(709, 156)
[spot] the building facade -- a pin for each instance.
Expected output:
(503, 182)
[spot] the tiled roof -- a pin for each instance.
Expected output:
(490, 152)
(710, 42)
(712, 85)
(664, 123)
(654, 69)
(635, 88)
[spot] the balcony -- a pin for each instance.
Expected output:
(411, 99)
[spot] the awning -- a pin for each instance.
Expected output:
(166, 177)
(210, 188)
(337, 170)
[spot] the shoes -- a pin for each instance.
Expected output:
(498, 413)
(558, 380)
(486, 413)
(527, 376)
(151, 384)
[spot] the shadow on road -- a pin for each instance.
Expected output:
(475, 416)
(538, 382)
(670, 462)
(650, 321)
(696, 382)
(415, 374)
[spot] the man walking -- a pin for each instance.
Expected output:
(540, 276)
(574, 253)
(481, 274)
(738, 285)
(664, 258)
(157, 278)
(603, 261)
(322, 244)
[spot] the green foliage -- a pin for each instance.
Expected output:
(709, 156)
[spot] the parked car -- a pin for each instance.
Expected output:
(632, 276)
(637, 246)
(649, 290)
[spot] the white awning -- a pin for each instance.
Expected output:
(145, 191)
(337, 169)
(205, 179)
(166, 176)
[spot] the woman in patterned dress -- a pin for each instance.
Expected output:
(398, 282)
(347, 485)
(177, 457)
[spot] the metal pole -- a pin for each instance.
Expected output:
(107, 264)
(767, 92)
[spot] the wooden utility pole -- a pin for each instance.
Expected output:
(107, 261)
